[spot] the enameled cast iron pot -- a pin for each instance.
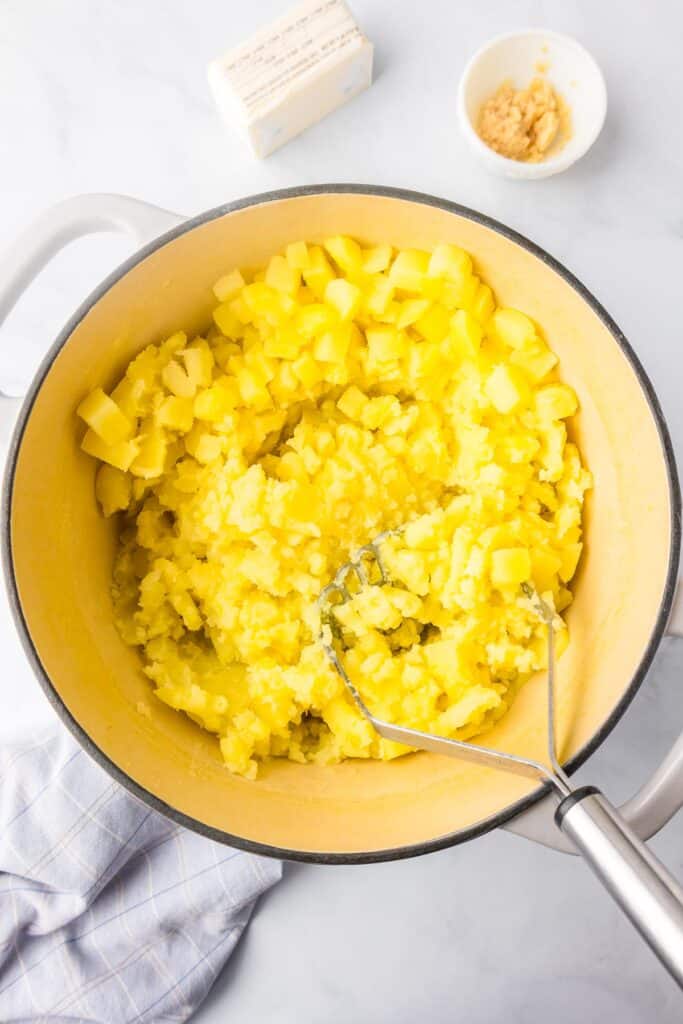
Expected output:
(58, 549)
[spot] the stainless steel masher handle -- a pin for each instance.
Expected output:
(639, 883)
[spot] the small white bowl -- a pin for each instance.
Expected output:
(517, 57)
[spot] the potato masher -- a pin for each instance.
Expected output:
(638, 882)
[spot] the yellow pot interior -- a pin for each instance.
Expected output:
(62, 548)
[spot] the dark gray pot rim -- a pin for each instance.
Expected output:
(416, 849)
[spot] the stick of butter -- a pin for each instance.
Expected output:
(293, 73)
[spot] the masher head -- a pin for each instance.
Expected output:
(367, 568)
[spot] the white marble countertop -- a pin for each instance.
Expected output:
(113, 97)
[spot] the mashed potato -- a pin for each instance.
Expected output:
(339, 392)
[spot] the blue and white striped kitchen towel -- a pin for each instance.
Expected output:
(109, 913)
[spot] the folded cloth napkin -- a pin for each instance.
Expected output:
(109, 913)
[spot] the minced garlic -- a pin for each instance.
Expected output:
(523, 124)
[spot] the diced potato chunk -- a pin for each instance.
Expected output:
(176, 413)
(264, 301)
(333, 345)
(510, 566)
(424, 360)
(556, 402)
(285, 382)
(199, 363)
(378, 295)
(571, 553)
(466, 331)
(377, 259)
(307, 370)
(377, 411)
(240, 310)
(434, 324)
(253, 389)
(390, 314)
(409, 270)
(536, 360)
(284, 343)
(483, 305)
(128, 395)
(450, 261)
(459, 294)
(150, 461)
(213, 404)
(410, 311)
(208, 448)
(319, 273)
(113, 489)
(260, 364)
(103, 416)
(513, 328)
(228, 285)
(227, 321)
(385, 344)
(177, 381)
(173, 344)
(506, 388)
(344, 297)
(119, 455)
(282, 276)
(290, 466)
(145, 367)
(297, 256)
(552, 451)
(352, 402)
(545, 566)
(345, 252)
(315, 319)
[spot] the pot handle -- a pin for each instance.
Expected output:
(647, 811)
(62, 223)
